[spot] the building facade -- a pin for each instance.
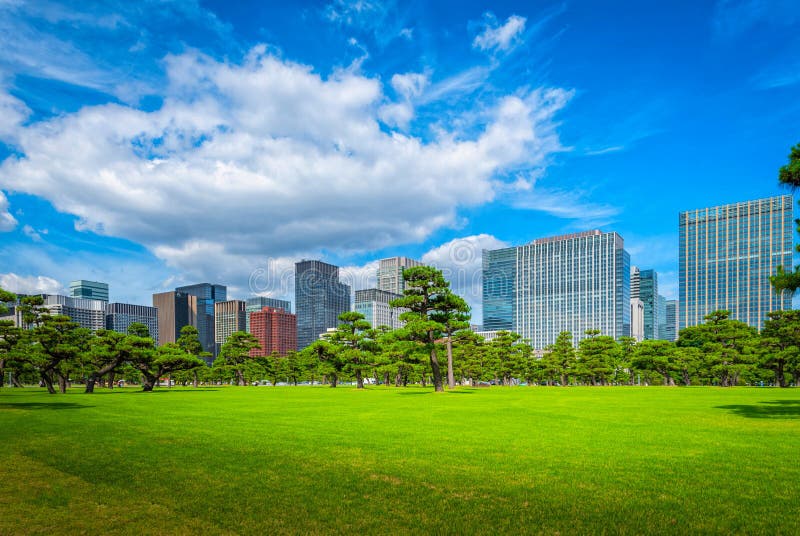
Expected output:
(390, 273)
(637, 319)
(90, 314)
(648, 293)
(671, 321)
(90, 290)
(119, 317)
(572, 283)
(256, 303)
(207, 295)
(229, 317)
(175, 310)
(374, 305)
(727, 255)
(319, 299)
(275, 329)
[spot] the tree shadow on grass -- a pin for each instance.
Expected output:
(42, 405)
(408, 393)
(768, 409)
(462, 392)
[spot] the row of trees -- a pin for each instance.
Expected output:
(54, 350)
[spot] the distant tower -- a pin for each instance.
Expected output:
(207, 295)
(175, 310)
(91, 290)
(229, 317)
(727, 255)
(390, 273)
(319, 299)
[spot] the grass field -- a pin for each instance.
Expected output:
(314, 460)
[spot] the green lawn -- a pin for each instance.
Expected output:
(315, 459)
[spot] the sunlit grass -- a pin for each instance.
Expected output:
(311, 460)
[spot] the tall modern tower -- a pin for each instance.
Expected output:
(91, 290)
(671, 326)
(319, 299)
(569, 283)
(648, 293)
(257, 303)
(390, 273)
(175, 310)
(727, 254)
(229, 317)
(207, 295)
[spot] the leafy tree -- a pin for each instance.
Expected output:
(424, 286)
(154, 363)
(789, 175)
(597, 354)
(780, 343)
(9, 333)
(687, 361)
(656, 356)
(327, 359)
(236, 352)
(559, 359)
(52, 346)
(355, 344)
(510, 356)
(189, 340)
(109, 350)
(452, 312)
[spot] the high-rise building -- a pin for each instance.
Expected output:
(671, 327)
(572, 283)
(727, 255)
(275, 329)
(637, 319)
(256, 303)
(175, 310)
(207, 295)
(119, 317)
(374, 305)
(319, 299)
(648, 293)
(661, 332)
(635, 281)
(91, 290)
(90, 314)
(390, 273)
(229, 317)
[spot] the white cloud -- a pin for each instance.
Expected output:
(7, 221)
(30, 284)
(32, 233)
(567, 204)
(497, 37)
(13, 112)
(268, 158)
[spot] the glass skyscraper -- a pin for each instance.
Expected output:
(91, 290)
(207, 295)
(572, 283)
(319, 299)
(727, 255)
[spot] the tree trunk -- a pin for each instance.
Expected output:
(90, 383)
(686, 380)
(359, 380)
(196, 381)
(48, 382)
(437, 372)
(563, 380)
(334, 380)
(62, 383)
(240, 378)
(111, 377)
(148, 381)
(15, 381)
(451, 379)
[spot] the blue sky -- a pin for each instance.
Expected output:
(153, 144)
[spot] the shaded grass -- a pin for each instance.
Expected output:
(319, 460)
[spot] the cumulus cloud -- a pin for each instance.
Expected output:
(268, 158)
(30, 284)
(497, 37)
(7, 221)
(13, 112)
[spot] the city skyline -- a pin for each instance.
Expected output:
(424, 131)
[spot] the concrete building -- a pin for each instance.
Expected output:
(572, 283)
(119, 317)
(275, 329)
(727, 255)
(390, 273)
(320, 298)
(90, 290)
(256, 303)
(637, 319)
(207, 295)
(175, 310)
(90, 314)
(229, 317)
(374, 305)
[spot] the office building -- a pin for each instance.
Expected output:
(119, 317)
(572, 283)
(390, 273)
(207, 295)
(90, 314)
(661, 332)
(229, 317)
(275, 329)
(256, 303)
(671, 321)
(727, 255)
(648, 293)
(175, 310)
(637, 319)
(90, 290)
(319, 299)
(374, 305)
